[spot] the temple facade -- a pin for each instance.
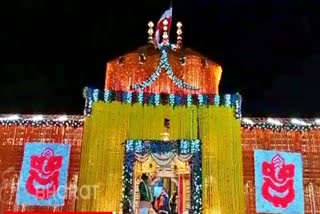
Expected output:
(161, 114)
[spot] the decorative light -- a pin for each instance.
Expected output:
(179, 34)
(129, 97)
(150, 24)
(164, 64)
(106, 95)
(37, 118)
(189, 100)
(179, 25)
(13, 117)
(140, 97)
(171, 99)
(227, 99)
(200, 99)
(165, 36)
(217, 99)
(156, 99)
(165, 22)
(298, 122)
(150, 32)
(274, 122)
(62, 118)
(237, 99)
(247, 121)
(95, 95)
(275, 125)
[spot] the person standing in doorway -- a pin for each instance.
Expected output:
(162, 203)
(145, 194)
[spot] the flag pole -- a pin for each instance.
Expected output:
(171, 18)
(171, 8)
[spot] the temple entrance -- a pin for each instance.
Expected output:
(174, 177)
(173, 169)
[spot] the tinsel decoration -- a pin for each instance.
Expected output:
(181, 147)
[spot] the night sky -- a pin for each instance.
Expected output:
(269, 50)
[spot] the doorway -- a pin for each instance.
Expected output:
(174, 177)
(175, 164)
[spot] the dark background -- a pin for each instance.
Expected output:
(269, 50)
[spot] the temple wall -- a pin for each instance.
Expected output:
(12, 141)
(307, 143)
(104, 134)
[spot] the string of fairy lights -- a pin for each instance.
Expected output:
(279, 125)
(164, 64)
(42, 121)
(273, 124)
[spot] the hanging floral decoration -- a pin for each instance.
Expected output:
(228, 100)
(179, 147)
(164, 65)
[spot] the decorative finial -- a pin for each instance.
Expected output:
(179, 35)
(150, 32)
(165, 36)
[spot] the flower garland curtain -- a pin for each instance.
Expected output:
(102, 152)
(220, 134)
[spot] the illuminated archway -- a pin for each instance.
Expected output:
(184, 149)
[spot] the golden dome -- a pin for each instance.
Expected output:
(188, 66)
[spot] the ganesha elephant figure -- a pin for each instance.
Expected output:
(278, 184)
(43, 180)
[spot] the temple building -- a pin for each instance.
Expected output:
(161, 114)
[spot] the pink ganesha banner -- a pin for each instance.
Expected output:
(279, 182)
(43, 176)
